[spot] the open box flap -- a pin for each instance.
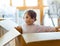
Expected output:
(12, 32)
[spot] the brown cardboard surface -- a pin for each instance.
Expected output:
(40, 39)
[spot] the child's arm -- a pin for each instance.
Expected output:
(47, 29)
(53, 29)
(19, 28)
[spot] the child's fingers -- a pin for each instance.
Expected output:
(18, 28)
(57, 29)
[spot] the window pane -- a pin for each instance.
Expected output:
(17, 2)
(47, 2)
(48, 20)
(31, 2)
(4, 3)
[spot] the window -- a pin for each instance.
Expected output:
(31, 2)
(4, 3)
(47, 2)
(49, 21)
(17, 3)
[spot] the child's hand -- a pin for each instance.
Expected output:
(19, 29)
(57, 29)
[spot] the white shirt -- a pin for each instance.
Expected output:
(36, 28)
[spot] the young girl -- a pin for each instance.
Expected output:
(30, 27)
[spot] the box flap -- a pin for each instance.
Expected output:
(11, 31)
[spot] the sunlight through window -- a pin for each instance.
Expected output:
(17, 3)
(47, 19)
(31, 2)
(4, 3)
(47, 2)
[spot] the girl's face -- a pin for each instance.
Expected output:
(28, 19)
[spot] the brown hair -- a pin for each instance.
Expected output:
(32, 14)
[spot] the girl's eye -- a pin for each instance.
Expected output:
(26, 16)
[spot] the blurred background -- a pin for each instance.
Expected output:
(48, 11)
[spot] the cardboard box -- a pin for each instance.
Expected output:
(7, 31)
(40, 39)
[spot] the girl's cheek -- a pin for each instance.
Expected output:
(32, 20)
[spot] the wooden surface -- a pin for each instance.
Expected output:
(45, 43)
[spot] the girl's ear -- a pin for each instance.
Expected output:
(33, 20)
